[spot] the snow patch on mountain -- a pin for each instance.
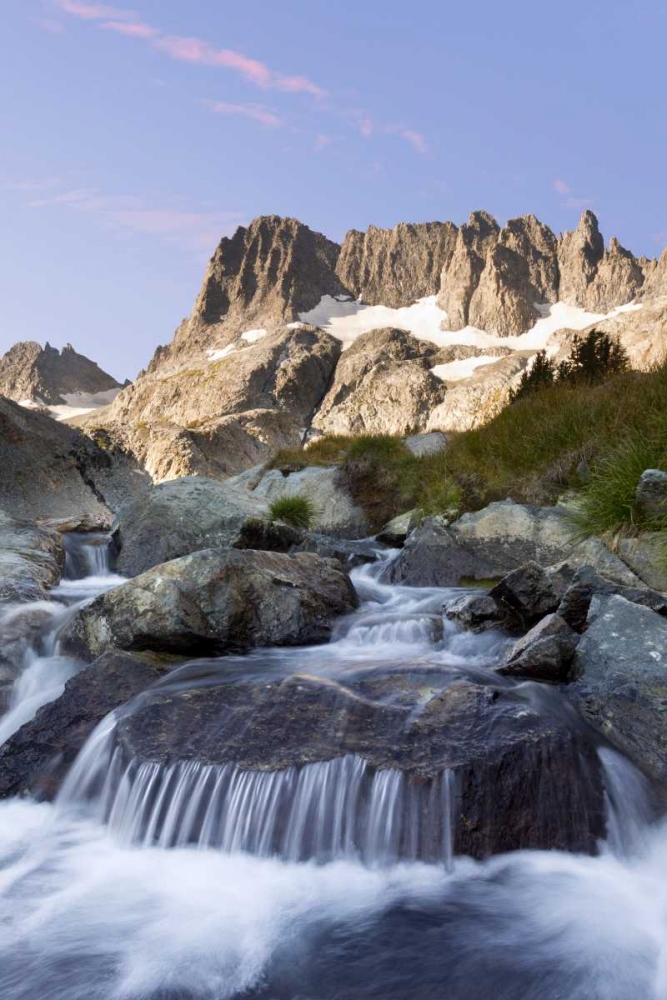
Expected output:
(425, 320)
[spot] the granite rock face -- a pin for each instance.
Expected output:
(262, 276)
(336, 513)
(382, 385)
(46, 375)
(396, 267)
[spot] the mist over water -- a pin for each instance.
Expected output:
(184, 882)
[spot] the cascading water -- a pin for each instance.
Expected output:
(43, 673)
(189, 880)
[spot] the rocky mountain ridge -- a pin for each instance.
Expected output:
(47, 376)
(423, 327)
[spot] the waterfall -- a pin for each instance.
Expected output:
(87, 554)
(327, 810)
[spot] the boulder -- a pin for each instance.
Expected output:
(31, 560)
(479, 613)
(426, 444)
(508, 534)
(646, 556)
(434, 557)
(474, 401)
(191, 514)
(651, 495)
(36, 759)
(484, 545)
(594, 554)
(336, 513)
(518, 779)
(621, 680)
(586, 583)
(527, 593)
(48, 470)
(212, 602)
(396, 531)
(545, 653)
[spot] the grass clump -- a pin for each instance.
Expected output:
(297, 510)
(324, 451)
(607, 506)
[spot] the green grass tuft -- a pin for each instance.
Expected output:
(297, 510)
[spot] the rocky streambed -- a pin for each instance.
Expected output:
(329, 769)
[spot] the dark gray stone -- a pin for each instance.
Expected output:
(527, 593)
(651, 494)
(621, 680)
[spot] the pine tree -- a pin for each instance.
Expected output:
(540, 375)
(593, 358)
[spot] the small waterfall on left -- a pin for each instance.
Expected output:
(43, 672)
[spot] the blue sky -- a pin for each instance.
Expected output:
(135, 136)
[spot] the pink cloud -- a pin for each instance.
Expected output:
(568, 200)
(256, 112)
(95, 11)
(323, 141)
(196, 50)
(133, 29)
(129, 214)
(416, 139)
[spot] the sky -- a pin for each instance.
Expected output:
(133, 138)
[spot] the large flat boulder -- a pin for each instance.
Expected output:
(214, 602)
(621, 685)
(190, 514)
(516, 779)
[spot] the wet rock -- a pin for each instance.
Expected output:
(479, 613)
(521, 780)
(348, 552)
(652, 494)
(434, 557)
(191, 514)
(79, 522)
(545, 653)
(621, 680)
(213, 602)
(31, 560)
(336, 513)
(36, 759)
(426, 444)
(527, 593)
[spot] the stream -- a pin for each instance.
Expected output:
(190, 880)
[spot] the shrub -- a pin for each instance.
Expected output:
(540, 375)
(297, 510)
